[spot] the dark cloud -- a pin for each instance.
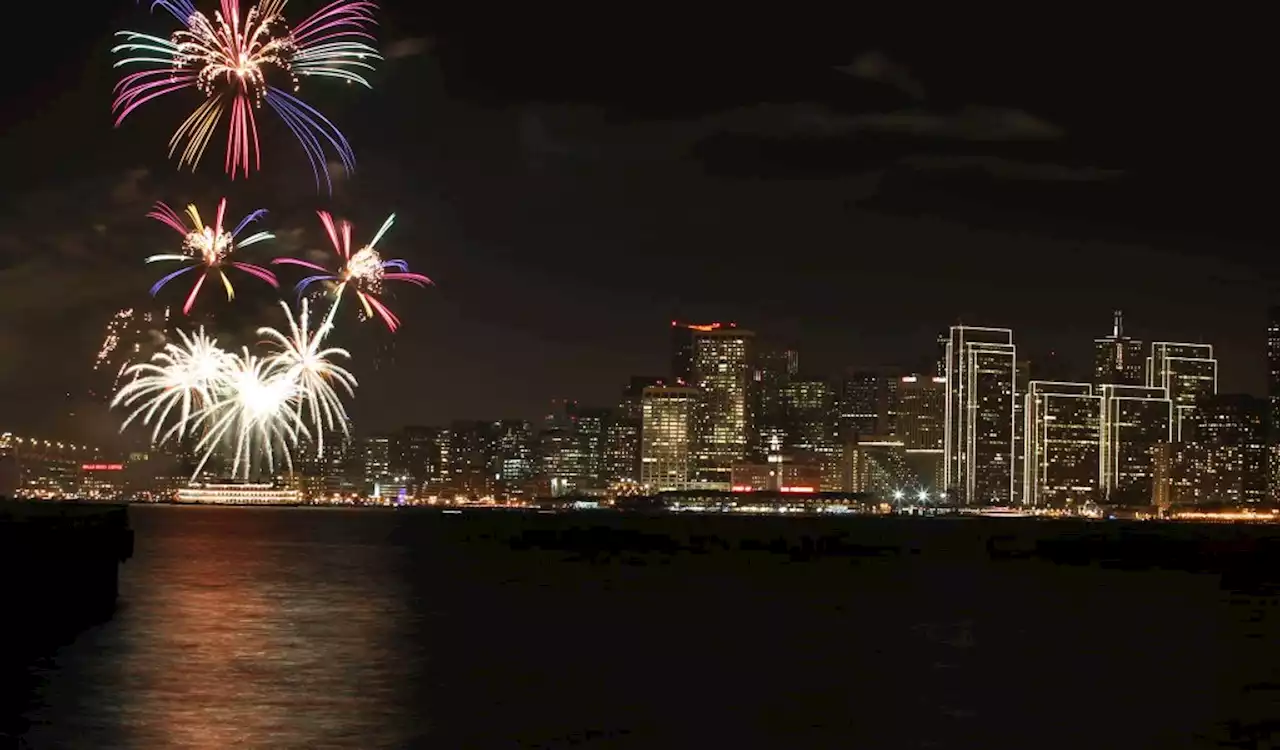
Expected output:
(876, 66)
(410, 47)
(1010, 169)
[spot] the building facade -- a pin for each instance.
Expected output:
(666, 437)
(1136, 420)
(1062, 442)
(979, 418)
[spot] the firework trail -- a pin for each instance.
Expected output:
(300, 358)
(208, 248)
(230, 58)
(363, 271)
(185, 377)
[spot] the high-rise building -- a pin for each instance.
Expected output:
(772, 372)
(922, 403)
(979, 417)
(1118, 359)
(809, 407)
(1062, 438)
(715, 358)
(868, 403)
(1187, 372)
(1135, 421)
(922, 411)
(513, 459)
(1226, 438)
(1273, 397)
(666, 437)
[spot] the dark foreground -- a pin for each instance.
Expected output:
(336, 628)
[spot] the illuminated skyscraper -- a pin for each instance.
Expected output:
(922, 426)
(1063, 439)
(1135, 421)
(868, 403)
(1187, 372)
(1273, 411)
(715, 359)
(666, 437)
(1118, 359)
(979, 435)
(1226, 438)
(772, 372)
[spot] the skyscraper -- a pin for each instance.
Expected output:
(1226, 437)
(922, 426)
(979, 437)
(1135, 421)
(1062, 438)
(772, 372)
(666, 437)
(1187, 372)
(714, 358)
(1118, 359)
(1273, 411)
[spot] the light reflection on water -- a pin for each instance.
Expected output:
(315, 628)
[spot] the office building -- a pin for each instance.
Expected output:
(1118, 359)
(1187, 372)
(1273, 410)
(666, 436)
(715, 358)
(868, 403)
(979, 416)
(1224, 450)
(1062, 442)
(921, 427)
(1135, 421)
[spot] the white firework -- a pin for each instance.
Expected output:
(300, 359)
(255, 411)
(185, 377)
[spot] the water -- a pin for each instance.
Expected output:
(318, 628)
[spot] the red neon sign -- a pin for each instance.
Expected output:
(102, 467)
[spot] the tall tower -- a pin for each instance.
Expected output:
(715, 358)
(979, 437)
(1135, 421)
(1186, 372)
(1273, 411)
(666, 437)
(1062, 434)
(1118, 359)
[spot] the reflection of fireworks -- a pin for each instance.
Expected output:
(228, 60)
(302, 360)
(364, 271)
(208, 248)
(251, 405)
(185, 377)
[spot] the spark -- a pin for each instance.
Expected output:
(363, 271)
(255, 412)
(301, 358)
(252, 406)
(208, 248)
(184, 377)
(231, 59)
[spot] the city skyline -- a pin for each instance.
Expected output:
(846, 195)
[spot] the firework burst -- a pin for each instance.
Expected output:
(182, 376)
(208, 248)
(301, 358)
(253, 412)
(231, 60)
(363, 271)
(248, 405)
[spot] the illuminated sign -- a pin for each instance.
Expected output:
(798, 489)
(741, 488)
(102, 467)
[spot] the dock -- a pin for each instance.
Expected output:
(61, 566)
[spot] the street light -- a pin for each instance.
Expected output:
(923, 496)
(898, 495)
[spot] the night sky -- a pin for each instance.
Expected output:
(844, 185)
